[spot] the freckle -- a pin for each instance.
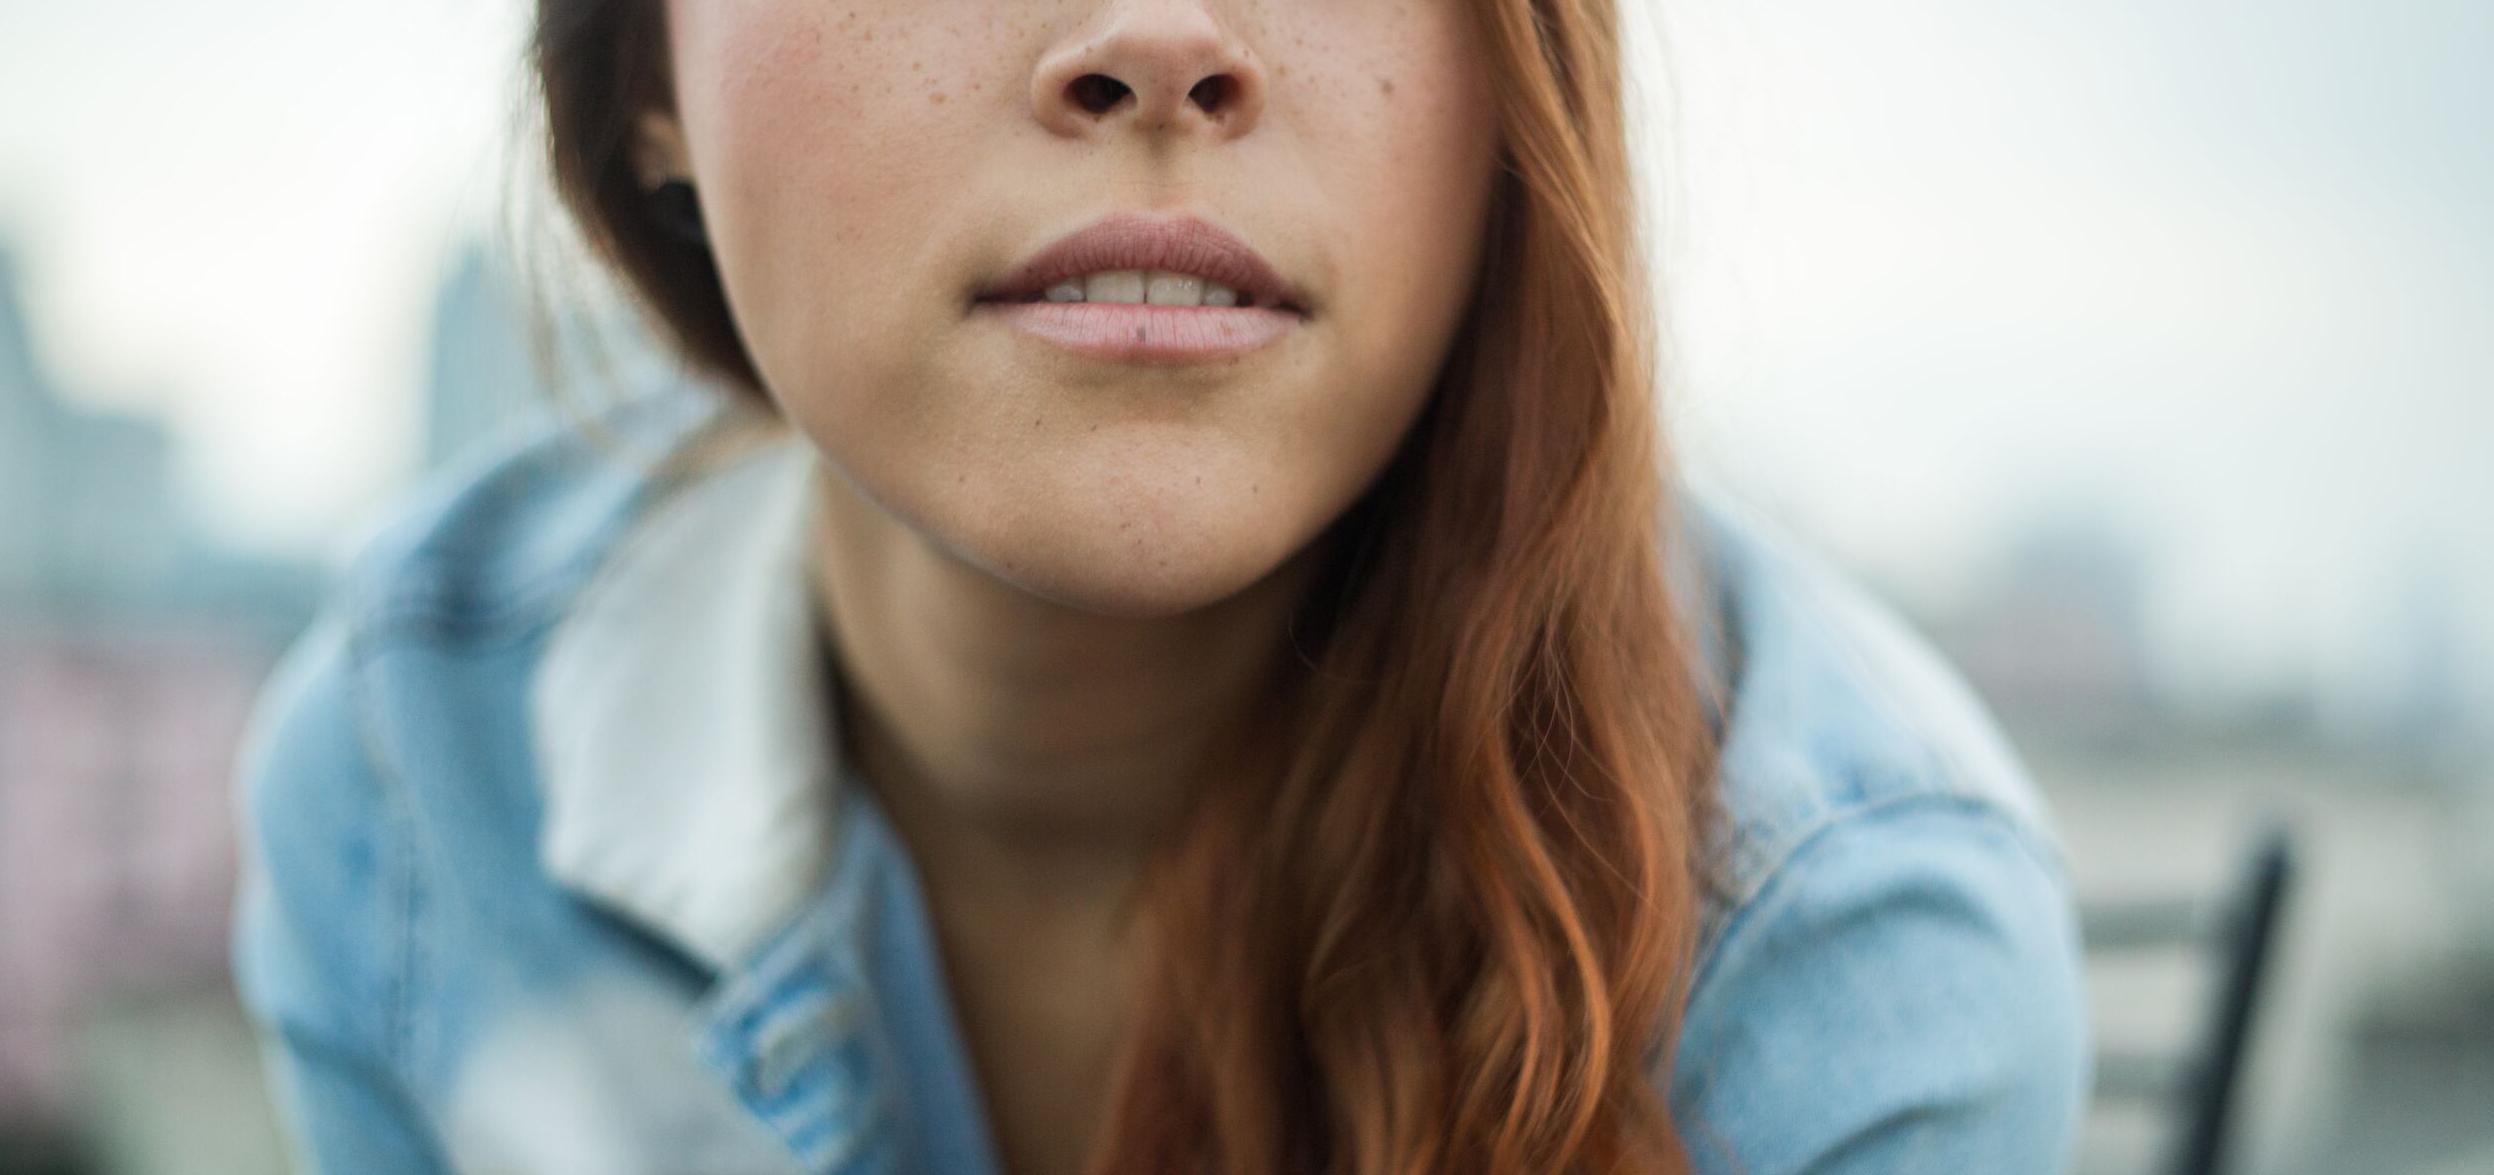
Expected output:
(1385, 85)
(936, 97)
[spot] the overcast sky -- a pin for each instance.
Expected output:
(2224, 270)
(2218, 272)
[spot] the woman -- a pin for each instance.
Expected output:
(1168, 647)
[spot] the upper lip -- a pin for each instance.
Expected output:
(1170, 244)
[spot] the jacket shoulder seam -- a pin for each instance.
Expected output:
(401, 902)
(1856, 814)
(413, 589)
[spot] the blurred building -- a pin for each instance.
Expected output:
(481, 371)
(2056, 639)
(498, 361)
(94, 533)
(84, 504)
(130, 647)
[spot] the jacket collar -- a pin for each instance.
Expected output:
(684, 737)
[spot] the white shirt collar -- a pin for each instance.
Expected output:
(685, 740)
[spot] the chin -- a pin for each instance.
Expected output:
(1129, 570)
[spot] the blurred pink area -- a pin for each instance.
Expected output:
(116, 839)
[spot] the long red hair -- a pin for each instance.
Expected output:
(1451, 929)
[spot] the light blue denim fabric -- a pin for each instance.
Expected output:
(545, 870)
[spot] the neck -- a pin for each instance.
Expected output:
(1024, 747)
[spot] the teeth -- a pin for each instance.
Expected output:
(1153, 287)
(1173, 289)
(1122, 285)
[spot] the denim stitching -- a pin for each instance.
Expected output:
(403, 952)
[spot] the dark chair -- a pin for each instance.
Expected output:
(2195, 1089)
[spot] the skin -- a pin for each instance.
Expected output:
(1056, 586)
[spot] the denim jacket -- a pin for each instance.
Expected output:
(549, 865)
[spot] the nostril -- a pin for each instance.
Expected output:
(1098, 93)
(1212, 92)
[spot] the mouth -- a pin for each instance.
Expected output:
(1142, 260)
(1135, 288)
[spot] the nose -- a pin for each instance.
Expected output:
(1162, 68)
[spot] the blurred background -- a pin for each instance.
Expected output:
(2141, 353)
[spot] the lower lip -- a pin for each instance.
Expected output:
(1136, 332)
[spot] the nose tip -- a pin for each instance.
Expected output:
(1163, 68)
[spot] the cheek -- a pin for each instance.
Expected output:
(1402, 86)
(1407, 131)
(840, 104)
(825, 139)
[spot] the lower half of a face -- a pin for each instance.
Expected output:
(1023, 437)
